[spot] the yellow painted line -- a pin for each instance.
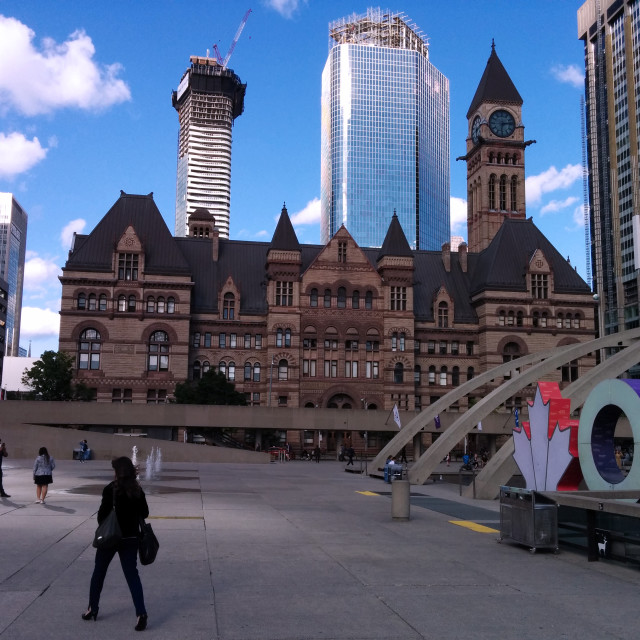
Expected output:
(175, 518)
(368, 493)
(474, 526)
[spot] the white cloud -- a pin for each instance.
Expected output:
(309, 215)
(17, 154)
(578, 215)
(36, 322)
(551, 180)
(40, 275)
(571, 74)
(66, 235)
(35, 81)
(558, 205)
(286, 8)
(458, 207)
(261, 234)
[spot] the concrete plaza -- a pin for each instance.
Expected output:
(293, 551)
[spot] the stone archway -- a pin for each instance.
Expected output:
(340, 401)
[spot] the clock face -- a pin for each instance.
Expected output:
(475, 129)
(501, 123)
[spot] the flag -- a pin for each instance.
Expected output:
(437, 421)
(479, 426)
(396, 416)
(319, 436)
(515, 414)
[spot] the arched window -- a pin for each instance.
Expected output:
(536, 319)
(432, 375)
(510, 352)
(519, 318)
(158, 359)
(342, 298)
(511, 319)
(313, 298)
(89, 347)
(398, 373)
(368, 300)
(576, 321)
(514, 193)
(122, 303)
(355, 300)
(205, 367)
(327, 298)
(455, 376)
(256, 372)
(287, 337)
(247, 372)
(503, 193)
(161, 307)
(491, 157)
(559, 320)
(102, 302)
(543, 319)
(416, 374)
(92, 302)
(443, 314)
(82, 301)
(492, 191)
(171, 305)
(197, 371)
(283, 370)
(443, 376)
(279, 338)
(228, 309)
(567, 321)
(231, 371)
(131, 304)
(502, 315)
(151, 304)
(470, 373)
(222, 368)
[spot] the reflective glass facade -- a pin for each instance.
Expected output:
(385, 139)
(13, 244)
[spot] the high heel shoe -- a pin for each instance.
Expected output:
(142, 623)
(90, 614)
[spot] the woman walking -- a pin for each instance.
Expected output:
(42, 474)
(131, 506)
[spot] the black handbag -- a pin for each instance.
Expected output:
(108, 533)
(148, 544)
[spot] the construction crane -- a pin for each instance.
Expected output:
(216, 51)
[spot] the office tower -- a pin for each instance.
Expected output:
(385, 133)
(610, 30)
(13, 244)
(208, 99)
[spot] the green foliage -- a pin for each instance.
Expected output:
(212, 388)
(50, 377)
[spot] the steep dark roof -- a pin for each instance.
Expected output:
(503, 264)
(95, 253)
(201, 214)
(284, 237)
(495, 85)
(395, 242)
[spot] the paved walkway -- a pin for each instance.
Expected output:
(294, 551)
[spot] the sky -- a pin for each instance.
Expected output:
(85, 111)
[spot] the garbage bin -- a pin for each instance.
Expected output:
(529, 518)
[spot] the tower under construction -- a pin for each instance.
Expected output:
(208, 99)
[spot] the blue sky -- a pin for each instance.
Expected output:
(85, 111)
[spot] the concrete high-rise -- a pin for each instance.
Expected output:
(208, 99)
(13, 245)
(385, 133)
(610, 30)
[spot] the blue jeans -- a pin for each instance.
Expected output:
(127, 549)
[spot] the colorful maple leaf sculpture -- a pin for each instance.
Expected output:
(546, 446)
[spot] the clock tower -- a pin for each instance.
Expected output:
(495, 155)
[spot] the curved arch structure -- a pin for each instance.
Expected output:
(537, 365)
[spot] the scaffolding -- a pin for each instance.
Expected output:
(379, 28)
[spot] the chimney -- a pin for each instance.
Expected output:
(462, 256)
(446, 256)
(215, 239)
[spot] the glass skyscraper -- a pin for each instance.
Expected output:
(385, 133)
(13, 245)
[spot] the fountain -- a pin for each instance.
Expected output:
(134, 456)
(154, 464)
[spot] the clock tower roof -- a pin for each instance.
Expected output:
(495, 85)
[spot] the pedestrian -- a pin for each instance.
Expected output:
(43, 474)
(316, 454)
(3, 454)
(403, 455)
(84, 451)
(350, 454)
(131, 506)
(448, 459)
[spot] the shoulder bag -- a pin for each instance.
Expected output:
(148, 544)
(108, 534)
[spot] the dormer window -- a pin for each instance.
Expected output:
(127, 266)
(342, 251)
(539, 286)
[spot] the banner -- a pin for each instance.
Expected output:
(396, 416)
(437, 421)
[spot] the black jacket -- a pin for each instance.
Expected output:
(128, 510)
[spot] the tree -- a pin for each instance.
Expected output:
(50, 377)
(212, 388)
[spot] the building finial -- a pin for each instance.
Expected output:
(493, 46)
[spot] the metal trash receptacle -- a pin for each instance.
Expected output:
(528, 518)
